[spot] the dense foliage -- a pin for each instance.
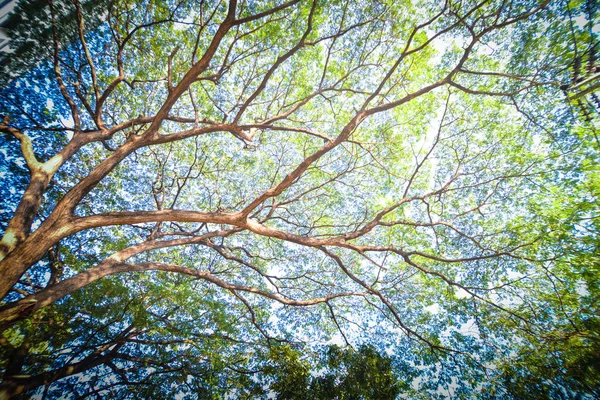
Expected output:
(309, 199)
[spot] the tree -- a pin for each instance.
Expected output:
(201, 182)
(346, 374)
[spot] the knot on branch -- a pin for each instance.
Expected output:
(243, 135)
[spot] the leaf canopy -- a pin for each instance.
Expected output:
(301, 199)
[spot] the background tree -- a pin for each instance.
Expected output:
(202, 186)
(344, 374)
